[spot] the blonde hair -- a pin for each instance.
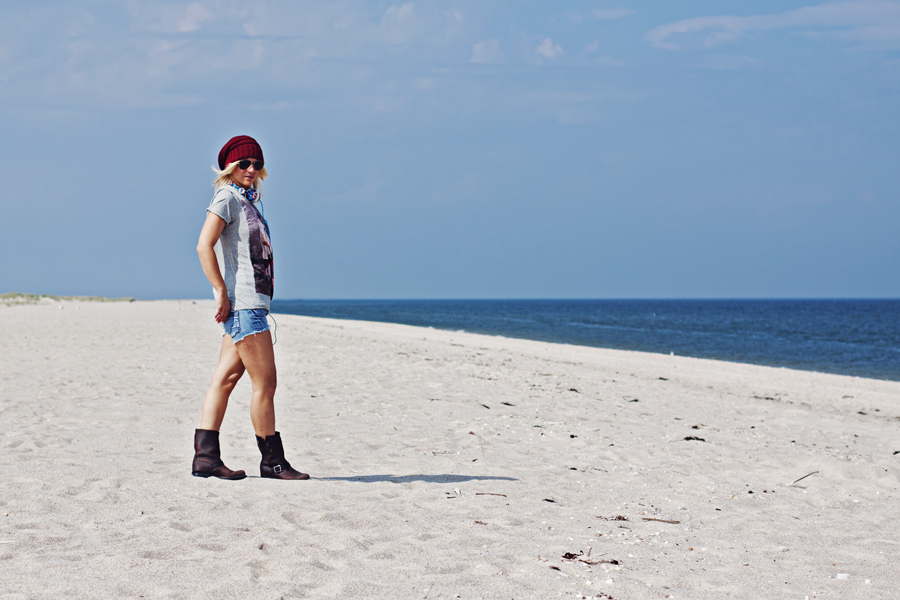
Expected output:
(224, 177)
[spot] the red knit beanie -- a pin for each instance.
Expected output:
(239, 148)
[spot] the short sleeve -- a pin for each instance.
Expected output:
(222, 205)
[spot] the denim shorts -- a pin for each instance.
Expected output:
(241, 323)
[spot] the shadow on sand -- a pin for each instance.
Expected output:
(410, 478)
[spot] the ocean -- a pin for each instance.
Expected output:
(847, 337)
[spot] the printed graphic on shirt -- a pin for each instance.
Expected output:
(260, 251)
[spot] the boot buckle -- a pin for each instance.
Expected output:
(277, 469)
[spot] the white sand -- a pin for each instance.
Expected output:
(433, 455)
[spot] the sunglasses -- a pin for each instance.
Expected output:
(245, 164)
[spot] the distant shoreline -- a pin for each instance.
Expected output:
(823, 340)
(14, 298)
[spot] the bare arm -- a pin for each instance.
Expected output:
(209, 235)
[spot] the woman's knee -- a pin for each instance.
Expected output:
(227, 379)
(266, 384)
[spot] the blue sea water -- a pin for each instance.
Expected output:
(849, 337)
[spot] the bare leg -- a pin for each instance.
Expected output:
(227, 374)
(258, 357)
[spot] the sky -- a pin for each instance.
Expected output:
(459, 149)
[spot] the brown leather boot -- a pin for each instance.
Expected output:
(207, 457)
(273, 464)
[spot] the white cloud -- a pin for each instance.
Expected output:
(606, 61)
(370, 56)
(399, 13)
(549, 50)
(612, 13)
(603, 61)
(562, 97)
(487, 53)
(863, 21)
(192, 18)
(172, 18)
(398, 23)
(426, 84)
(726, 62)
(168, 53)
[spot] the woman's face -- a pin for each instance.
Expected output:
(245, 177)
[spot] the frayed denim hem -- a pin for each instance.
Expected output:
(241, 323)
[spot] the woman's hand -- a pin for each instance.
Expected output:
(223, 306)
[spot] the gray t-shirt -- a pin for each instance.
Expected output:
(244, 250)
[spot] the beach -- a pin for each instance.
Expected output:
(444, 464)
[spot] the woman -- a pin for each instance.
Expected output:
(236, 256)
